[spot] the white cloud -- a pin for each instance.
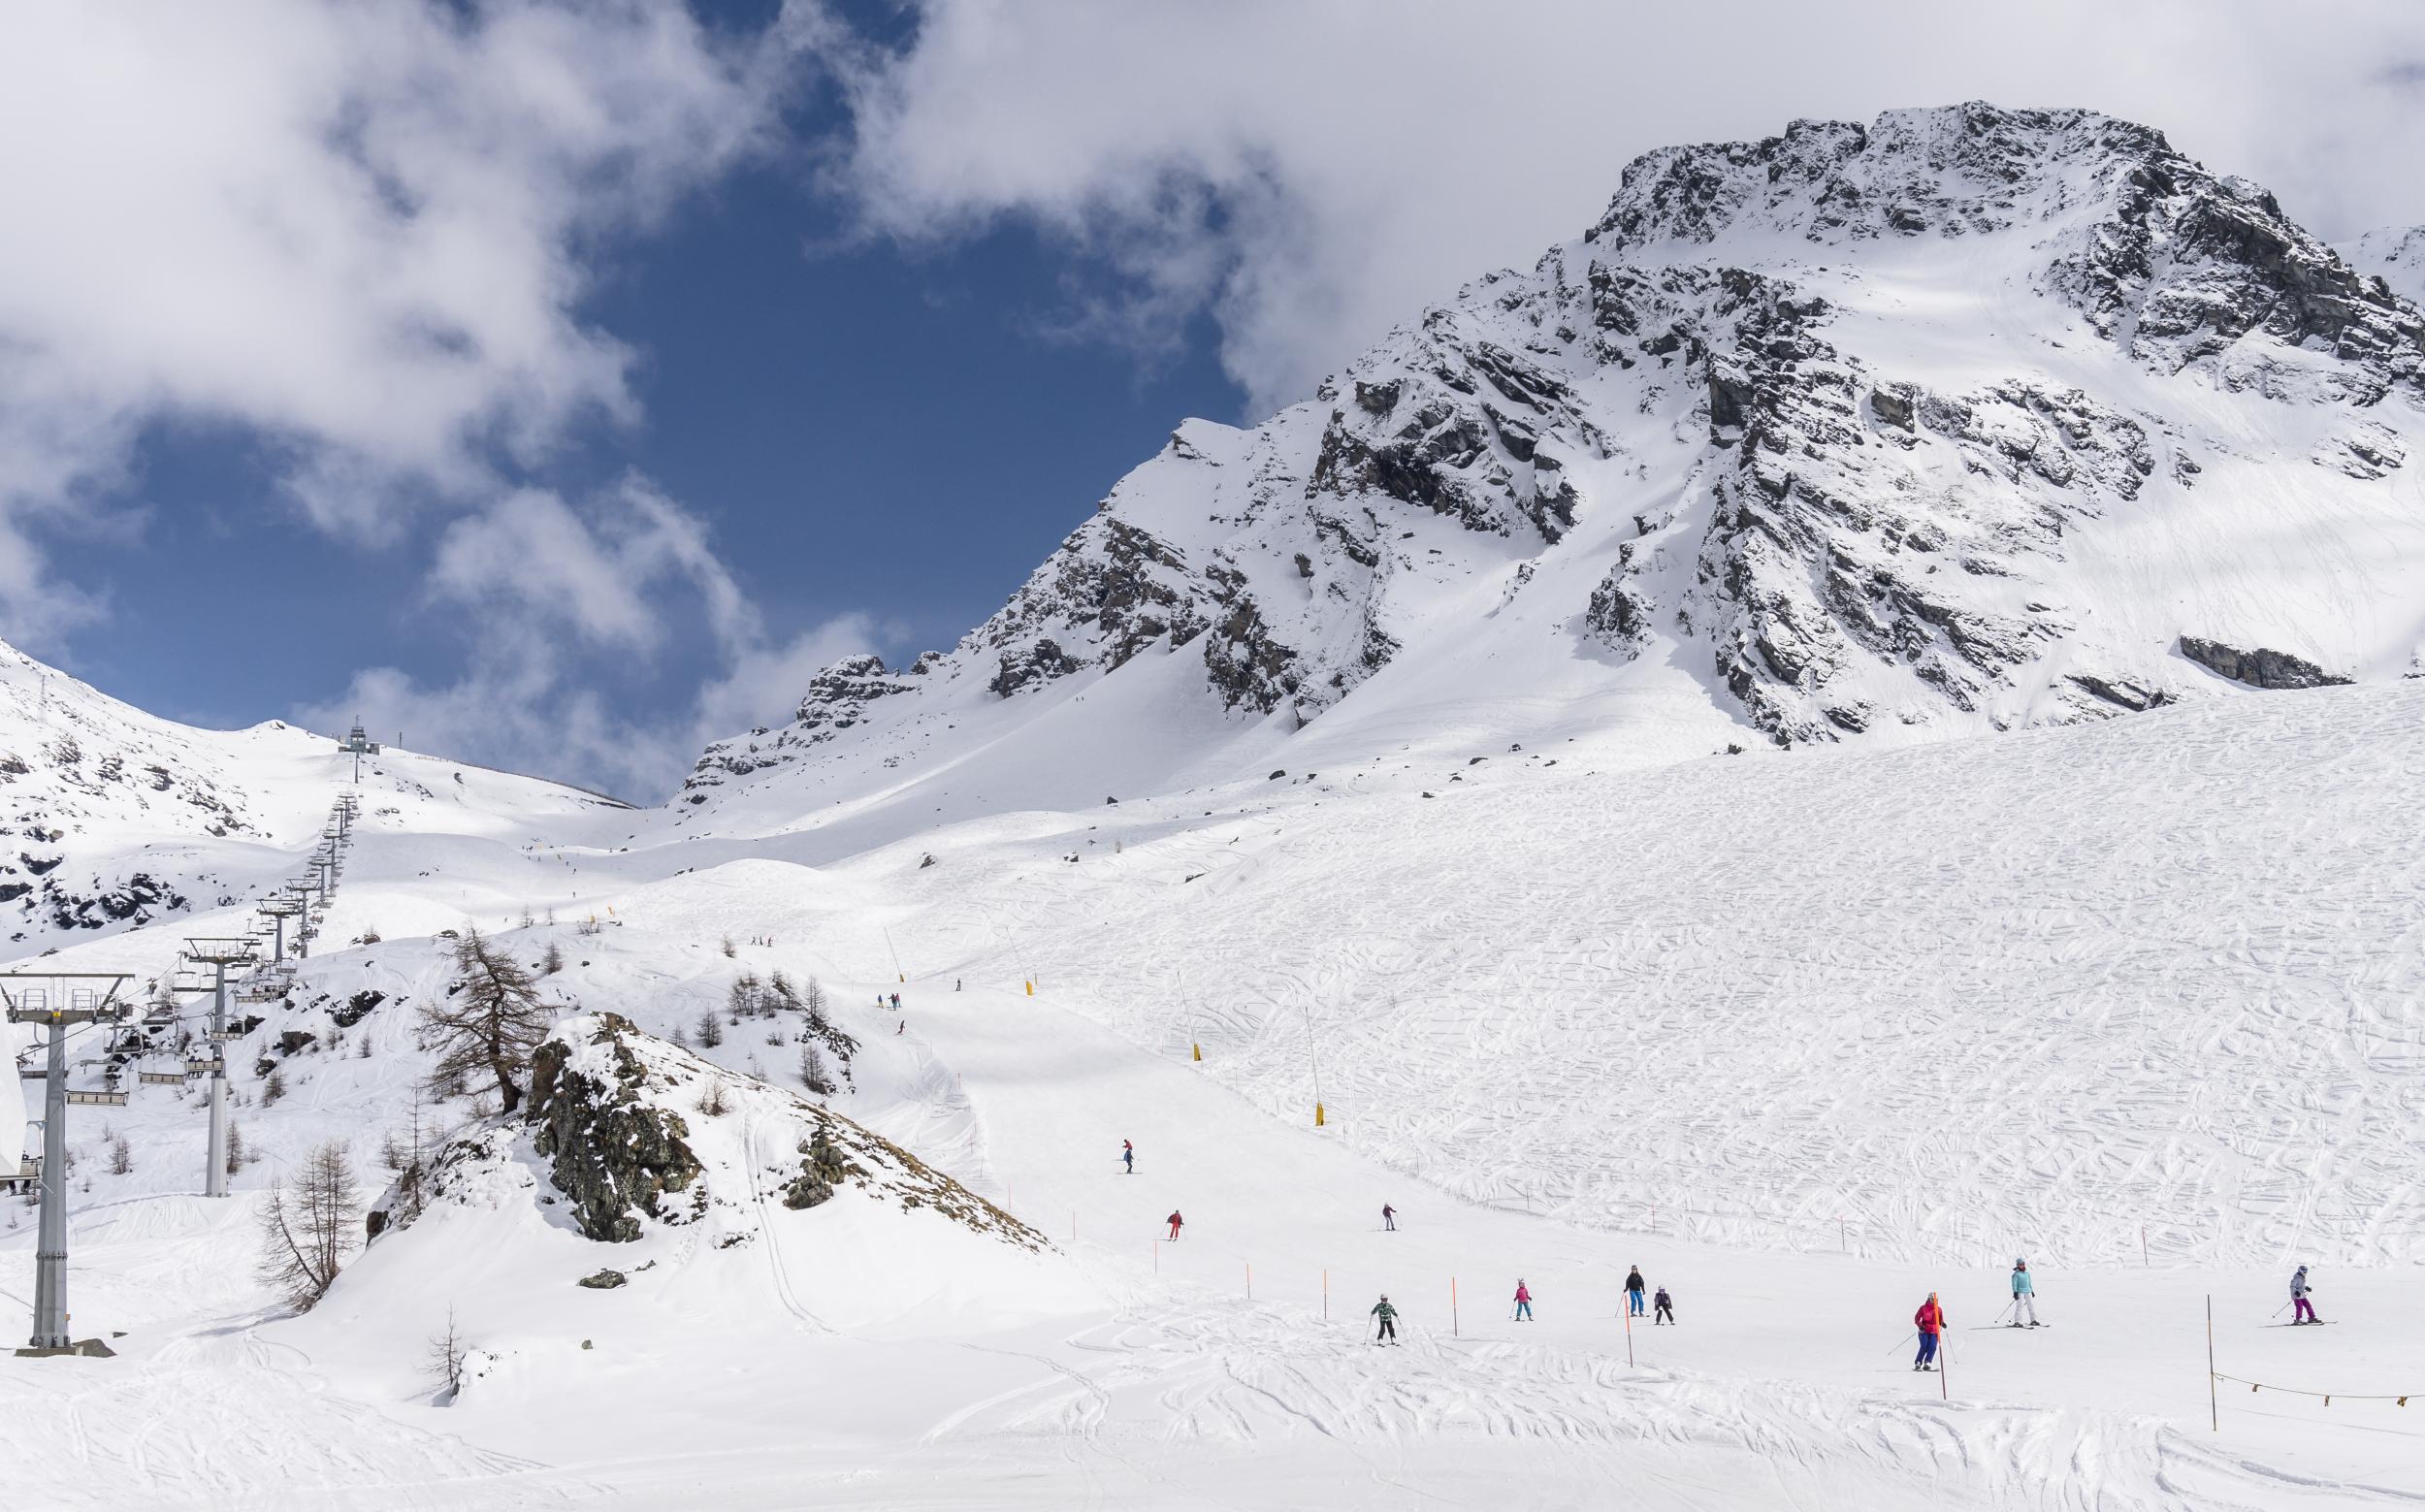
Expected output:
(561, 606)
(357, 231)
(1313, 172)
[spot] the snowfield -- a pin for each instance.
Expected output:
(2157, 970)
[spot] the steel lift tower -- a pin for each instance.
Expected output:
(219, 953)
(94, 1004)
(280, 907)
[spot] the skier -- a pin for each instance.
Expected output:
(1129, 1156)
(901, 1028)
(955, 983)
(1929, 1319)
(1175, 1220)
(1389, 1219)
(1389, 1320)
(896, 1002)
(2298, 1290)
(1523, 1301)
(1666, 1308)
(2024, 1295)
(1633, 1291)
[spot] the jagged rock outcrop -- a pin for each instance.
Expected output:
(2258, 667)
(633, 1134)
(611, 1150)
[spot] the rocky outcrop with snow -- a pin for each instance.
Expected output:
(1957, 420)
(631, 1133)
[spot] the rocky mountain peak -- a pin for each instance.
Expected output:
(1964, 418)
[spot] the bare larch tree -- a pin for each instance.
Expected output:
(309, 1229)
(490, 1027)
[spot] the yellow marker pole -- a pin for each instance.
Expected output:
(1318, 1116)
(1198, 1048)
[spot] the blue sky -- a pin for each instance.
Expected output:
(561, 383)
(903, 436)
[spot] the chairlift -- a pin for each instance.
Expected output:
(163, 1078)
(198, 1067)
(96, 1099)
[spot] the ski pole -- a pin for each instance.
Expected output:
(1900, 1342)
(2277, 1311)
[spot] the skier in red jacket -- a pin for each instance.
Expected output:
(1930, 1321)
(1175, 1221)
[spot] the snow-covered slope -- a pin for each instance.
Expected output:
(1965, 420)
(120, 817)
(2395, 254)
(1807, 1034)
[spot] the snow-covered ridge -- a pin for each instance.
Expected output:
(118, 817)
(1967, 419)
(2396, 255)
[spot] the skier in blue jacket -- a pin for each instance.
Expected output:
(2025, 1296)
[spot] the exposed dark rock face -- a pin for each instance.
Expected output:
(602, 1280)
(837, 700)
(611, 1151)
(2258, 667)
(1022, 670)
(822, 1169)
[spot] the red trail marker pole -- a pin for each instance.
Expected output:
(1454, 1330)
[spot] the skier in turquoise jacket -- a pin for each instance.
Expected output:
(2025, 1296)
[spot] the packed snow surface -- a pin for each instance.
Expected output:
(2054, 986)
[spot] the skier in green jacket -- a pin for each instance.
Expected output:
(1389, 1320)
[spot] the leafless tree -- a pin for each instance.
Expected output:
(711, 1030)
(122, 1156)
(554, 960)
(236, 1156)
(446, 1357)
(813, 1073)
(491, 1026)
(309, 1229)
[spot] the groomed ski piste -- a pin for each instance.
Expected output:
(1806, 1036)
